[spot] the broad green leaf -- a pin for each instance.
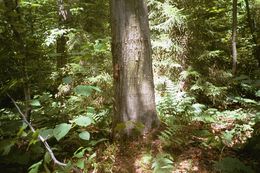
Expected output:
(61, 130)
(35, 103)
(95, 88)
(79, 153)
(67, 80)
(82, 121)
(47, 157)
(35, 167)
(91, 110)
(46, 133)
(81, 163)
(85, 90)
(257, 93)
(84, 135)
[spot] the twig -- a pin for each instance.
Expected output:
(39, 136)
(222, 150)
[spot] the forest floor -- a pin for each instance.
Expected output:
(133, 157)
(190, 159)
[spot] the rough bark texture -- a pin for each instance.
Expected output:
(133, 76)
(234, 37)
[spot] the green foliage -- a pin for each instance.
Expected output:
(84, 135)
(35, 167)
(167, 24)
(176, 112)
(162, 163)
(61, 130)
(230, 165)
(146, 160)
(84, 90)
(5, 146)
(82, 121)
(82, 162)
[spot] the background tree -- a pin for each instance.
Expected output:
(252, 25)
(64, 18)
(234, 37)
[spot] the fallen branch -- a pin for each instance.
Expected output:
(39, 136)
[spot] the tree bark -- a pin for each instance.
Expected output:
(234, 37)
(133, 75)
(61, 49)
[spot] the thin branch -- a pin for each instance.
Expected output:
(40, 137)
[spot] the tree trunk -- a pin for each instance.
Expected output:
(61, 50)
(62, 40)
(234, 37)
(252, 28)
(133, 75)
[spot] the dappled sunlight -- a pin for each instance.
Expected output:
(193, 160)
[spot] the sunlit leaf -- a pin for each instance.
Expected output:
(82, 121)
(84, 135)
(61, 130)
(257, 93)
(81, 163)
(79, 153)
(85, 90)
(90, 110)
(35, 103)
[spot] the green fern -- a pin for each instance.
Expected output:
(173, 136)
(162, 163)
